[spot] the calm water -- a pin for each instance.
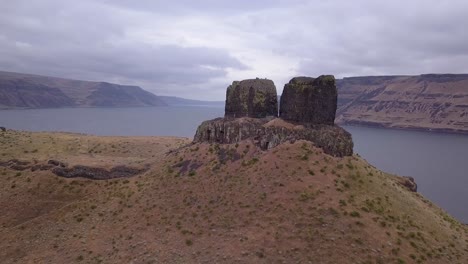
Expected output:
(438, 162)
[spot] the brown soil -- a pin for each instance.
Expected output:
(208, 203)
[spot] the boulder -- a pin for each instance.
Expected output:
(309, 100)
(409, 183)
(3, 129)
(255, 98)
(57, 163)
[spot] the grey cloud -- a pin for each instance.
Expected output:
(88, 43)
(93, 40)
(209, 7)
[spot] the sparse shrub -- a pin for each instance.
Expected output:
(304, 196)
(365, 209)
(355, 214)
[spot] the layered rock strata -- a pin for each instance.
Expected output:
(269, 133)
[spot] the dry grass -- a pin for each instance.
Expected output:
(214, 204)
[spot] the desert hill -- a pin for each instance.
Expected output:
(212, 203)
(19, 90)
(435, 102)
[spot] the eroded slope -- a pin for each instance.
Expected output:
(209, 203)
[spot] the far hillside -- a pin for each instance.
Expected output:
(433, 102)
(179, 101)
(19, 90)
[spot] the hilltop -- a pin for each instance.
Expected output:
(19, 90)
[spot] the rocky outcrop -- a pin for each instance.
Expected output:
(310, 100)
(3, 129)
(409, 183)
(57, 163)
(269, 133)
(97, 173)
(307, 112)
(251, 98)
(60, 168)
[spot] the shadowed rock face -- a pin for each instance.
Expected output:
(310, 100)
(251, 98)
(268, 133)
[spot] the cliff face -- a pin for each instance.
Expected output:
(307, 112)
(33, 91)
(310, 100)
(437, 102)
(269, 133)
(251, 98)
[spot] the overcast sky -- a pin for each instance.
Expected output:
(195, 49)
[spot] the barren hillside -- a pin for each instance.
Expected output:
(33, 91)
(210, 203)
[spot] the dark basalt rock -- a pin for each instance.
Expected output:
(409, 183)
(61, 169)
(267, 133)
(3, 129)
(57, 163)
(41, 167)
(96, 173)
(307, 112)
(310, 100)
(251, 98)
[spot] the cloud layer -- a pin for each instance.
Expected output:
(196, 48)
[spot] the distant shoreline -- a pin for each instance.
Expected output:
(418, 129)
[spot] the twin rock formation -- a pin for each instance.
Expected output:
(307, 112)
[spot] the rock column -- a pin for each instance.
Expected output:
(255, 98)
(309, 100)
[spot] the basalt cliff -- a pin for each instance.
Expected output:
(430, 102)
(307, 112)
